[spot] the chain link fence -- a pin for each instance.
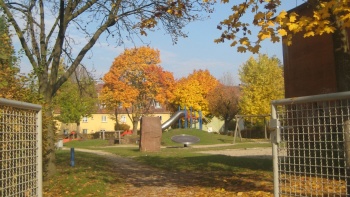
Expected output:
(20, 149)
(311, 145)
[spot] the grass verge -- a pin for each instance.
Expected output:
(92, 175)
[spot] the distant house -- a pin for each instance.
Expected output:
(104, 119)
(309, 64)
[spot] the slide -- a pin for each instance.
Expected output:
(172, 119)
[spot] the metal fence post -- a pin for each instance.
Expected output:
(275, 140)
(347, 153)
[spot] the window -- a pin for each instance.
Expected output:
(85, 131)
(157, 104)
(102, 105)
(104, 118)
(85, 119)
(123, 119)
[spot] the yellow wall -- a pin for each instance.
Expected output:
(97, 123)
(215, 125)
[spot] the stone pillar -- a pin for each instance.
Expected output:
(151, 134)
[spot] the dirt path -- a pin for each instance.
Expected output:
(145, 181)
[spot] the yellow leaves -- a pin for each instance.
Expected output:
(308, 34)
(244, 41)
(220, 190)
(293, 17)
(262, 80)
(259, 16)
(293, 27)
(192, 91)
(281, 15)
(148, 23)
(318, 23)
(282, 32)
(241, 49)
(264, 35)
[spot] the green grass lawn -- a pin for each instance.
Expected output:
(205, 139)
(93, 175)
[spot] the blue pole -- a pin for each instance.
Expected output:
(72, 157)
(200, 119)
(191, 117)
(179, 119)
(186, 115)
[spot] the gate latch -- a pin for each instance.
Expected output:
(275, 134)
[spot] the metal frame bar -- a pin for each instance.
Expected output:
(38, 149)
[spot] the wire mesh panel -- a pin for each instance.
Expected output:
(20, 149)
(311, 145)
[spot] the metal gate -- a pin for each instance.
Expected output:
(311, 145)
(20, 149)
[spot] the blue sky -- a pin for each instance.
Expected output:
(197, 51)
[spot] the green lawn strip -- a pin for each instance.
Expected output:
(92, 175)
(86, 143)
(190, 159)
(237, 170)
(205, 137)
(231, 173)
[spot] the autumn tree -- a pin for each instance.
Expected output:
(134, 81)
(10, 81)
(46, 31)
(262, 81)
(77, 98)
(223, 100)
(327, 17)
(192, 91)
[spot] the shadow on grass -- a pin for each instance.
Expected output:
(217, 171)
(92, 173)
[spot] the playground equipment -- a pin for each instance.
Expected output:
(189, 116)
(241, 124)
(185, 139)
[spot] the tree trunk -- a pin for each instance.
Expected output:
(341, 59)
(78, 127)
(116, 118)
(49, 157)
(135, 123)
(226, 122)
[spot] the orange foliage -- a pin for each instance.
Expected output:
(135, 79)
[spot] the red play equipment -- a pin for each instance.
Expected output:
(127, 132)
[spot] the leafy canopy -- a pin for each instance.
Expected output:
(77, 98)
(262, 81)
(238, 29)
(192, 91)
(135, 80)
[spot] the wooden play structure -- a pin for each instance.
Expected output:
(242, 120)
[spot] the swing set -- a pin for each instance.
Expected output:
(246, 123)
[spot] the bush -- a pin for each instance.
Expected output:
(122, 127)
